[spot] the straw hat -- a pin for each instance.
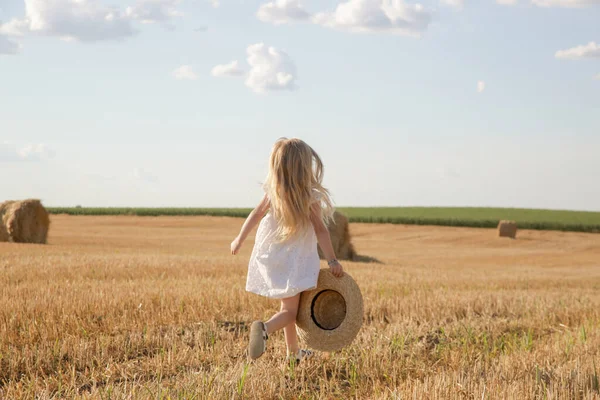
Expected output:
(330, 316)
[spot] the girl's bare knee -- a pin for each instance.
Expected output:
(292, 313)
(289, 309)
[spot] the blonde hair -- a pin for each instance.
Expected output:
(295, 174)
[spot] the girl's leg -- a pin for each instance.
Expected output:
(285, 317)
(291, 338)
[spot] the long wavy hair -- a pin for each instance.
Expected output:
(293, 184)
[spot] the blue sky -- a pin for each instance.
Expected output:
(177, 103)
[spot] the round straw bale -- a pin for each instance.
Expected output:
(25, 221)
(507, 229)
(339, 231)
(3, 231)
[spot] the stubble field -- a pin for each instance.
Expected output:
(126, 307)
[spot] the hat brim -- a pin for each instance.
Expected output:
(311, 332)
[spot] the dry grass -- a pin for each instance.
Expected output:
(129, 307)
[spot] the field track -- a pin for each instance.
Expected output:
(150, 307)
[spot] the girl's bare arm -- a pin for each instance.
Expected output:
(253, 219)
(325, 240)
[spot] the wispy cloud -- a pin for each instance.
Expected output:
(480, 86)
(554, 3)
(458, 4)
(231, 69)
(565, 3)
(282, 12)
(84, 20)
(184, 72)
(394, 17)
(590, 50)
(144, 176)
(10, 152)
(154, 11)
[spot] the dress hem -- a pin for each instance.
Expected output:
(282, 295)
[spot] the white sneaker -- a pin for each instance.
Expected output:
(302, 354)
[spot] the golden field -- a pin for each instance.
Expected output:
(155, 308)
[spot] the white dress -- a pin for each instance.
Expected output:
(282, 269)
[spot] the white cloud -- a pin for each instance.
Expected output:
(565, 3)
(87, 20)
(282, 12)
(81, 20)
(9, 152)
(554, 3)
(358, 16)
(144, 176)
(232, 69)
(480, 86)
(270, 69)
(152, 11)
(36, 152)
(590, 50)
(185, 72)
(8, 46)
(215, 3)
(597, 77)
(390, 16)
(454, 3)
(15, 27)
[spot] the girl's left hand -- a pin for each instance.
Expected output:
(336, 269)
(235, 246)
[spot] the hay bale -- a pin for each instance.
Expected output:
(3, 231)
(339, 231)
(507, 229)
(24, 221)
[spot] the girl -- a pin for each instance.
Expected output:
(284, 261)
